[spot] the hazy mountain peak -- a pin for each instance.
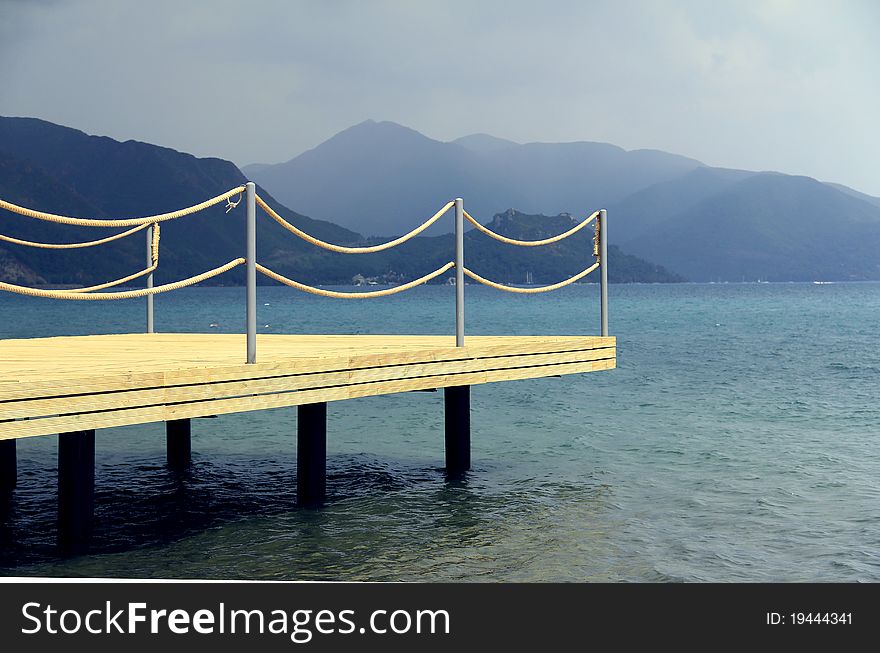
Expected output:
(483, 143)
(379, 129)
(363, 141)
(381, 177)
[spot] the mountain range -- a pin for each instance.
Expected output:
(62, 170)
(703, 222)
(381, 178)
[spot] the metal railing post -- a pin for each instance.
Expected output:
(251, 272)
(459, 272)
(603, 268)
(150, 327)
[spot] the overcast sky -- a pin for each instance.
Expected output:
(775, 85)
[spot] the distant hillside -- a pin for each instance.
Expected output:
(62, 170)
(552, 263)
(766, 226)
(642, 211)
(497, 261)
(380, 178)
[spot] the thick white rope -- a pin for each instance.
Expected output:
(530, 243)
(531, 291)
(351, 250)
(129, 294)
(118, 282)
(128, 222)
(91, 243)
(354, 295)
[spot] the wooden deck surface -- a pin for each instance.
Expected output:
(52, 385)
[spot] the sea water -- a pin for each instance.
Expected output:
(737, 440)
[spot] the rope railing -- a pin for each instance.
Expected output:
(127, 294)
(351, 250)
(529, 243)
(92, 293)
(90, 243)
(126, 222)
(530, 290)
(385, 292)
(154, 255)
(154, 258)
(118, 282)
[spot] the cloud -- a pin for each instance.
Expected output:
(762, 85)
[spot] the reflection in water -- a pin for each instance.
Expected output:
(383, 516)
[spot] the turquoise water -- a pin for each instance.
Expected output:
(738, 440)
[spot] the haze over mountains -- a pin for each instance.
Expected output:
(62, 170)
(380, 178)
(706, 223)
(725, 225)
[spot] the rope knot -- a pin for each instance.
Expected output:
(154, 245)
(230, 204)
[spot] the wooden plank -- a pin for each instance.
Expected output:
(213, 390)
(44, 369)
(48, 425)
(49, 385)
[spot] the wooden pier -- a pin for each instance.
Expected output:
(74, 385)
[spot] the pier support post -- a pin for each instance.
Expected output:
(8, 466)
(457, 400)
(150, 324)
(178, 443)
(459, 272)
(251, 271)
(76, 489)
(603, 270)
(311, 455)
